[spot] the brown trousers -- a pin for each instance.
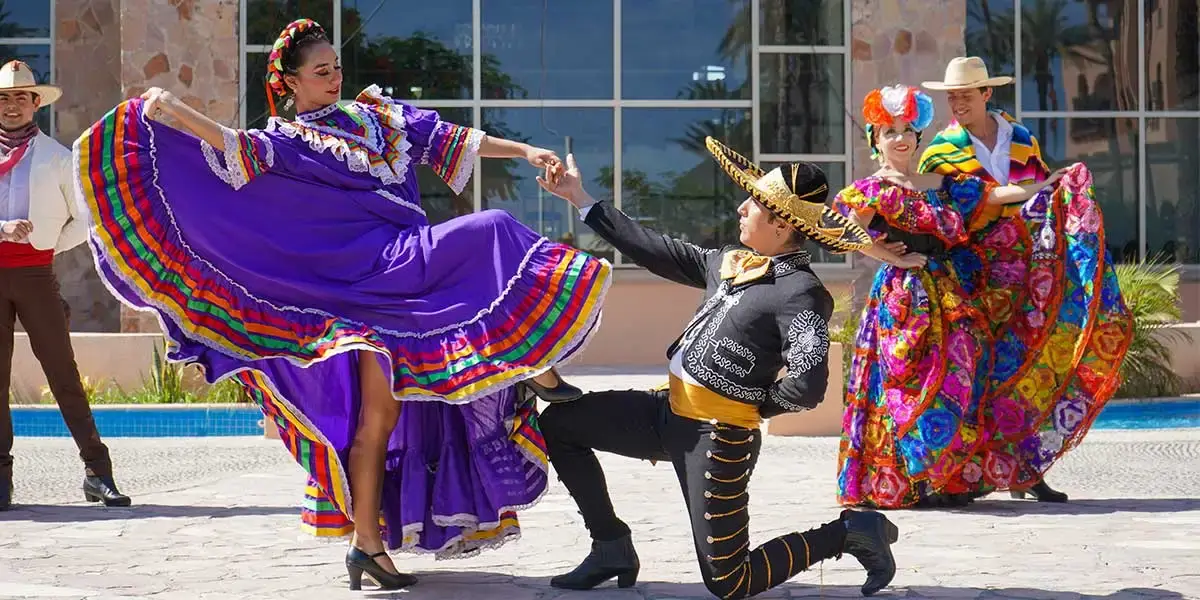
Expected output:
(31, 293)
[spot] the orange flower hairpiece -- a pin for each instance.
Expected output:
(882, 106)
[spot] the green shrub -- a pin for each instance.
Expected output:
(1151, 290)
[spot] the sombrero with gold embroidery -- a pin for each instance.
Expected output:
(796, 193)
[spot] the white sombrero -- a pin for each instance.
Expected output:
(964, 73)
(16, 76)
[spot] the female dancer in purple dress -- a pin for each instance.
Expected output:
(298, 259)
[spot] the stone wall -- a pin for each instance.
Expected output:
(894, 44)
(189, 47)
(88, 67)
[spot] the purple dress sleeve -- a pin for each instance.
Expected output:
(447, 148)
(247, 155)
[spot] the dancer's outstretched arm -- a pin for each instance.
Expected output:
(1016, 194)
(160, 101)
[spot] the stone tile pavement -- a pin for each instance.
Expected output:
(216, 519)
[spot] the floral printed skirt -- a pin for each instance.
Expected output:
(978, 372)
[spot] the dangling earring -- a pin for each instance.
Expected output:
(287, 104)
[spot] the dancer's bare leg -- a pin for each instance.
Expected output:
(378, 417)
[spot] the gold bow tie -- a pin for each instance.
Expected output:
(743, 265)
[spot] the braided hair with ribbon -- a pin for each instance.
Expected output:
(286, 54)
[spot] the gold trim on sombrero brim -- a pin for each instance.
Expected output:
(816, 220)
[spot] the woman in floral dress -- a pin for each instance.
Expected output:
(950, 398)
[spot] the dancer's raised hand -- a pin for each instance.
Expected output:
(157, 100)
(566, 183)
(541, 157)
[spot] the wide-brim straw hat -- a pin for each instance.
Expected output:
(965, 73)
(16, 76)
(795, 193)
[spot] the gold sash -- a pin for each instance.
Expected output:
(702, 404)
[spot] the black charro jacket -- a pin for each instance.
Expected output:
(759, 315)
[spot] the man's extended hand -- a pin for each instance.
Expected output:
(566, 183)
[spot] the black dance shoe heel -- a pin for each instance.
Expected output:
(563, 392)
(359, 562)
(1040, 492)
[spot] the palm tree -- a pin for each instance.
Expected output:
(1047, 36)
(1151, 291)
(990, 35)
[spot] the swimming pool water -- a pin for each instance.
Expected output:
(246, 419)
(1156, 414)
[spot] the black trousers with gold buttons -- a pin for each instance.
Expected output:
(713, 462)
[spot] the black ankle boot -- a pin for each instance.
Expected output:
(607, 560)
(103, 489)
(5, 493)
(1041, 492)
(869, 536)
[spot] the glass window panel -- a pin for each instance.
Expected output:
(1173, 189)
(510, 184)
(1172, 55)
(835, 174)
(1108, 146)
(438, 200)
(802, 103)
(802, 22)
(266, 18)
(557, 50)
(25, 18)
(670, 181)
(37, 56)
(990, 33)
(693, 49)
(1079, 55)
(427, 58)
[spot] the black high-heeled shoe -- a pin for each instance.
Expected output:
(359, 562)
(563, 392)
(1040, 492)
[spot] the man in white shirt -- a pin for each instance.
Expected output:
(38, 219)
(989, 144)
(986, 143)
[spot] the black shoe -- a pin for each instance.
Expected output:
(945, 501)
(563, 392)
(1041, 492)
(102, 489)
(607, 560)
(869, 536)
(359, 562)
(5, 494)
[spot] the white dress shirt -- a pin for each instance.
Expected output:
(14, 191)
(996, 161)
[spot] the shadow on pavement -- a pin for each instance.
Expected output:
(51, 513)
(464, 586)
(1095, 506)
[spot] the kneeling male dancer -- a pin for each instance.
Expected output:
(765, 309)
